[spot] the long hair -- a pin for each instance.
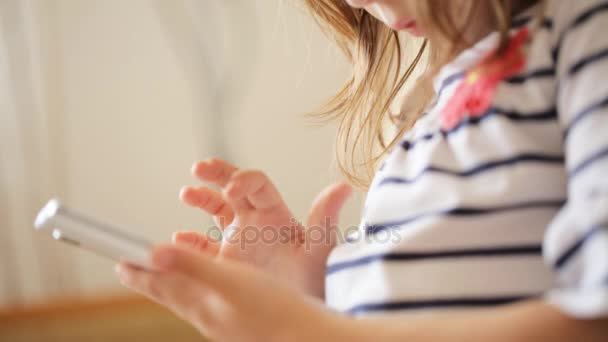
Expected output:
(361, 107)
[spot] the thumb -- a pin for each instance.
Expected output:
(325, 211)
(193, 264)
(198, 241)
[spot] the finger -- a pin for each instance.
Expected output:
(181, 294)
(171, 258)
(153, 285)
(222, 222)
(209, 200)
(197, 241)
(325, 211)
(252, 189)
(327, 205)
(214, 170)
(138, 280)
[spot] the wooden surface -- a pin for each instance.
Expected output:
(112, 318)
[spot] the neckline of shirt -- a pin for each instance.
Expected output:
(471, 56)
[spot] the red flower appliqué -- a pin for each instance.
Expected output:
(475, 93)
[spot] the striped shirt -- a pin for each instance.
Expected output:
(506, 206)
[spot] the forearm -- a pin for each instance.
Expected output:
(530, 321)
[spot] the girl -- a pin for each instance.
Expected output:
(487, 220)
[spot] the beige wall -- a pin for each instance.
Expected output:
(125, 118)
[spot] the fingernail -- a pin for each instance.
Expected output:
(164, 258)
(182, 191)
(178, 237)
(121, 274)
(193, 168)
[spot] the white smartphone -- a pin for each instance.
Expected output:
(67, 225)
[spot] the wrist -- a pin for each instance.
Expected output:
(312, 322)
(307, 275)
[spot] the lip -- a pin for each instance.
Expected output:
(405, 24)
(409, 25)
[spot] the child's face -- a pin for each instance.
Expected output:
(397, 14)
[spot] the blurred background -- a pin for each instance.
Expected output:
(106, 104)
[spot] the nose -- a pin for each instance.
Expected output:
(359, 3)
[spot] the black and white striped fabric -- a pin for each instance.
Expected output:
(507, 206)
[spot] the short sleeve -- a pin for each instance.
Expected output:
(576, 241)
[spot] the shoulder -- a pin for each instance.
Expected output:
(567, 15)
(573, 29)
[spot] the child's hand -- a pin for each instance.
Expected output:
(230, 301)
(258, 227)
